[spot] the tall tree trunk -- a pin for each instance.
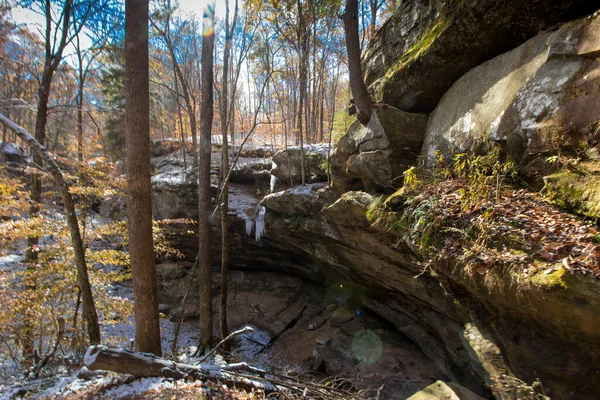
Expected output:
(51, 63)
(303, 43)
(204, 229)
(80, 88)
(183, 146)
(362, 100)
(139, 206)
(80, 125)
(89, 309)
(373, 7)
(225, 168)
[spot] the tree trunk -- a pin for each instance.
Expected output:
(89, 309)
(224, 169)
(80, 87)
(183, 146)
(303, 43)
(139, 206)
(145, 365)
(204, 228)
(51, 63)
(362, 100)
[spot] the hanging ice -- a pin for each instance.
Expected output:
(257, 221)
(249, 226)
(273, 177)
(260, 223)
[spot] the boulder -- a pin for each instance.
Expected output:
(375, 155)
(113, 207)
(445, 391)
(427, 45)
(175, 195)
(297, 201)
(286, 163)
(539, 100)
(250, 171)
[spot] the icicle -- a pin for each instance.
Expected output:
(260, 223)
(249, 226)
(273, 182)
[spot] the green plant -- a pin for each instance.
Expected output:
(375, 209)
(410, 178)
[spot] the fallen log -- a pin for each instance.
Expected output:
(145, 365)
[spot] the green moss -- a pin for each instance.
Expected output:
(422, 45)
(396, 199)
(576, 193)
(375, 209)
(551, 280)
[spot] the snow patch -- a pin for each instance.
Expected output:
(139, 387)
(494, 127)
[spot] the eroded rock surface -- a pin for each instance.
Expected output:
(427, 45)
(375, 156)
(287, 163)
(347, 339)
(534, 102)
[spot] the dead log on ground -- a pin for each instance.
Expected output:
(238, 375)
(145, 365)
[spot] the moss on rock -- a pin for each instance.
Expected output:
(575, 192)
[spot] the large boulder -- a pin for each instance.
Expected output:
(539, 100)
(427, 45)
(375, 155)
(297, 201)
(175, 195)
(286, 163)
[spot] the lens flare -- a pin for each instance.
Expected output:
(366, 347)
(208, 25)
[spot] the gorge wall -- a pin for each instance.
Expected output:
(514, 316)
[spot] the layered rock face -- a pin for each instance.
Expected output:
(427, 45)
(286, 164)
(375, 156)
(534, 102)
(479, 337)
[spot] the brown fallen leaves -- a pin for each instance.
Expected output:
(503, 225)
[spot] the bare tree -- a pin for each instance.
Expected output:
(225, 167)
(204, 226)
(89, 309)
(54, 45)
(186, 87)
(139, 206)
(303, 51)
(362, 100)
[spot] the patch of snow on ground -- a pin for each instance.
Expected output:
(139, 387)
(310, 188)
